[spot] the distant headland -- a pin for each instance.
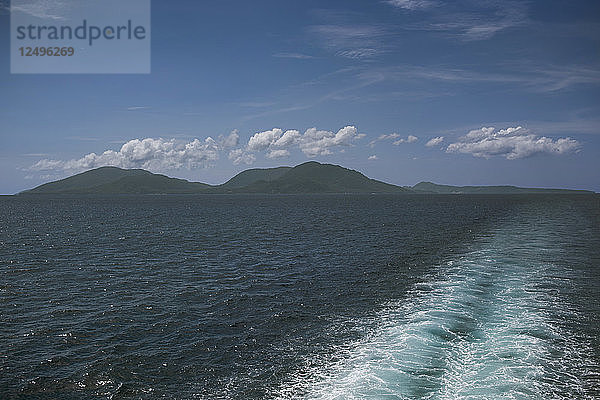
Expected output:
(309, 177)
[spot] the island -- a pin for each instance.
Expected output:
(309, 177)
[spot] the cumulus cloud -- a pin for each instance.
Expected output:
(152, 154)
(273, 139)
(262, 140)
(409, 139)
(289, 138)
(435, 141)
(313, 142)
(511, 143)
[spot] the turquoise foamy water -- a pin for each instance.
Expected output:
(501, 321)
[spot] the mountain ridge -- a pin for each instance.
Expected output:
(309, 177)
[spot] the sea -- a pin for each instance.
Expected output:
(300, 297)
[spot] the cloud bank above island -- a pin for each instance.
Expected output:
(159, 154)
(165, 154)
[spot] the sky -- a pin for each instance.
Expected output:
(466, 92)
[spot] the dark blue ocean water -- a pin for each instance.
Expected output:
(318, 297)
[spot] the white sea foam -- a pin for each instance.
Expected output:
(488, 325)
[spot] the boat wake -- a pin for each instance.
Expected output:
(492, 324)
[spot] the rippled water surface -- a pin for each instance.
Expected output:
(317, 297)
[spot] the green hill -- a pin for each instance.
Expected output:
(112, 180)
(313, 177)
(429, 187)
(251, 176)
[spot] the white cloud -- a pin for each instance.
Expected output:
(373, 157)
(263, 140)
(511, 143)
(152, 154)
(315, 142)
(273, 139)
(312, 143)
(289, 138)
(409, 139)
(435, 141)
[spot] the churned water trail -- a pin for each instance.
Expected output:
(490, 324)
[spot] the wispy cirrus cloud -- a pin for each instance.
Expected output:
(353, 82)
(466, 19)
(510, 143)
(34, 155)
(469, 28)
(298, 56)
(536, 78)
(351, 40)
(411, 4)
(554, 78)
(137, 108)
(359, 54)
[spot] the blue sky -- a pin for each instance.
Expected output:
(454, 92)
